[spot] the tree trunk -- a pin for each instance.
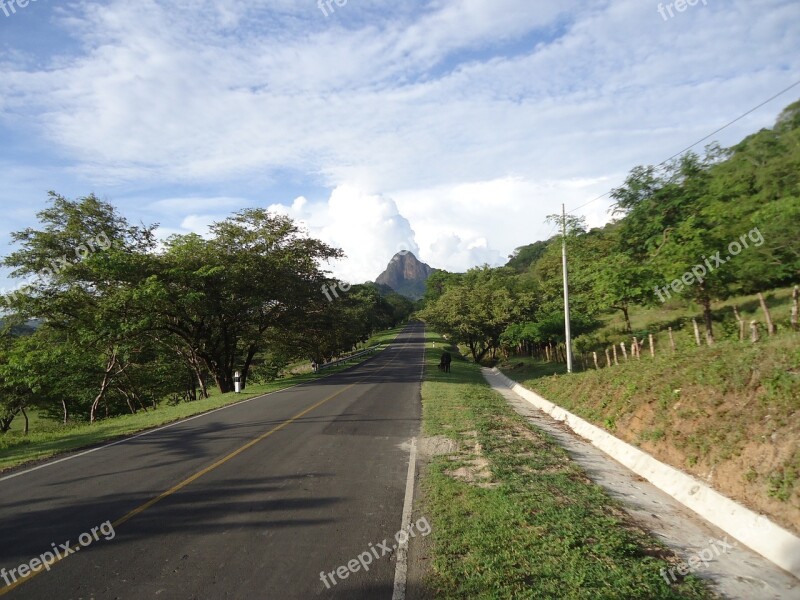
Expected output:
(27, 423)
(224, 382)
(191, 390)
(139, 401)
(626, 316)
(103, 387)
(251, 354)
(66, 412)
(197, 368)
(796, 308)
(708, 320)
(5, 423)
(127, 400)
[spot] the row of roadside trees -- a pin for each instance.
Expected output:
(123, 325)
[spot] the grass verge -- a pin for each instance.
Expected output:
(513, 517)
(49, 438)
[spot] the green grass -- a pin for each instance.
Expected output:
(48, 437)
(528, 524)
(706, 405)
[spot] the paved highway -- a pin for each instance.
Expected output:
(252, 501)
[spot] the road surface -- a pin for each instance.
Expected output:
(252, 501)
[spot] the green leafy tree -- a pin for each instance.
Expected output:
(477, 307)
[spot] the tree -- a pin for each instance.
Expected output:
(671, 225)
(228, 298)
(477, 307)
(75, 260)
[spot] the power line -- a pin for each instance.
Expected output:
(736, 120)
(700, 141)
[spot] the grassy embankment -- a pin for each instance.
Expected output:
(48, 437)
(727, 414)
(514, 517)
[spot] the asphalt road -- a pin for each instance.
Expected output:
(252, 501)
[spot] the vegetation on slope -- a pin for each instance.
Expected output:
(729, 414)
(694, 231)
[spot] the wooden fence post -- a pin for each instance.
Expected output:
(770, 324)
(616, 360)
(741, 323)
(754, 331)
(624, 351)
(671, 340)
(652, 347)
(696, 332)
(796, 308)
(608, 357)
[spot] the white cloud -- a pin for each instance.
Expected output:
(464, 225)
(455, 124)
(449, 222)
(368, 227)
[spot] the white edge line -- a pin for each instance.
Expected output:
(401, 569)
(50, 463)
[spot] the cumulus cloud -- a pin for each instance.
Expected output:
(368, 227)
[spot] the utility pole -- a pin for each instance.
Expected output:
(567, 329)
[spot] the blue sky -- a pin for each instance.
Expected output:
(448, 127)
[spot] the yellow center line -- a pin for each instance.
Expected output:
(225, 459)
(185, 482)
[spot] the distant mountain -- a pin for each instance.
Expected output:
(406, 275)
(28, 328)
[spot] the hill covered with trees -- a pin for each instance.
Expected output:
(695, 230)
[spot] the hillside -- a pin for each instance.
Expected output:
(729, 415)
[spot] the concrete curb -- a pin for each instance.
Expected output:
(753, 530)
